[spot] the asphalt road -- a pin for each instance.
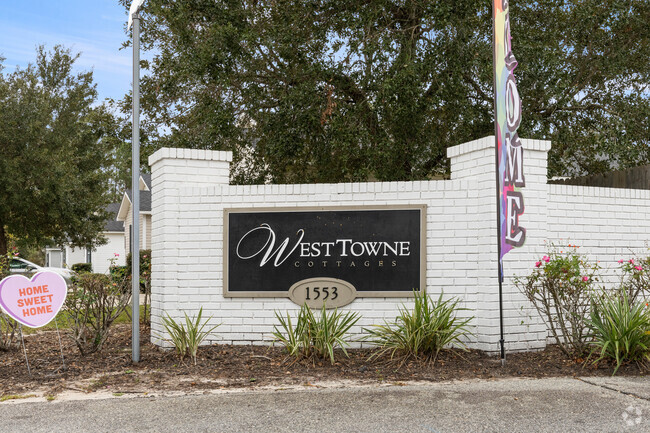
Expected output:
(514, 405)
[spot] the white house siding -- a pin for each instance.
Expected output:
(145, 226)
(102, 254)
(74, 256)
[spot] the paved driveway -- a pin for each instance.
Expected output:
(513, 405)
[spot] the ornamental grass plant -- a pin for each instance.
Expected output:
(314, 335)
(620, 329)
(422, 332)
(187, 337)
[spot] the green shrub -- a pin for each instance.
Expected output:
(187, 337)
(94, 302)
(145, 278)
(620, 329)
(5, 259)
(8, 326)
(315, 336)
(145, 268)
(118, 273)
(423, 331)
(8, 329)
(82, 268)
(559, 289)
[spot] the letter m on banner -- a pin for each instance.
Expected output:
(509, 152)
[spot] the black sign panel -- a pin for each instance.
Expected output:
(377, 250)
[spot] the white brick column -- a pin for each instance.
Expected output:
(171, 170)
(524, 328)
(476, 160)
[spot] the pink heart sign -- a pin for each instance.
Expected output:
(34, 302)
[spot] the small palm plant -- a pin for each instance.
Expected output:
(423, 331)
(187, 337)
(620, 329)
(314, 336)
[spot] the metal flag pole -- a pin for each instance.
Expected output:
(499, 190)
(134, 18)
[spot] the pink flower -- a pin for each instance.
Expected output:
(538, 264)
(585, 279)
(632, 261)
(116, 254)
(546, 259)
(621, 261)
(638, 268)
(144, 257)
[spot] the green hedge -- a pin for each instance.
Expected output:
(82, 268)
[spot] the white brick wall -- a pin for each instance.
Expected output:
(190, 191)
(607, 224)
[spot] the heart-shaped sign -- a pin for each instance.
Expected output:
(34, 302)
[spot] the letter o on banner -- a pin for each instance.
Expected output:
(513, 104)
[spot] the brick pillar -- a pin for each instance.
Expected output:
(171, 170)
(476, 160)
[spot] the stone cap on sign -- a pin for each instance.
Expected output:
(197, 154)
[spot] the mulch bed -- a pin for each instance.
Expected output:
(222, 366)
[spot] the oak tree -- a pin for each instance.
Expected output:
(55, 162)
(343, 90)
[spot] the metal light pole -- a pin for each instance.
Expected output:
(134, 19)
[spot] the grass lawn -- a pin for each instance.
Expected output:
(62, 320)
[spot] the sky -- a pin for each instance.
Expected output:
(94, 28)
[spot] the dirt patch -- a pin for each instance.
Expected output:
(228, 366)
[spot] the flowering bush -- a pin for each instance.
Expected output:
(559, 288)
(636, 278)
(93, 303)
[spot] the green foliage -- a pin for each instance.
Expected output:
(338, 90)
(145, 278)
(8, 329)
(81, 268)
(314, 336)
(5, 259)
(620, 329)
(145, 264)
(8, 326)
(118, 272)
(187, 337)
(93, 304)
(54, 161)
(559, 287)
(423, 331)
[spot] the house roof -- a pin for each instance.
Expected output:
(145, 182)
(112, 225)
(145, 198)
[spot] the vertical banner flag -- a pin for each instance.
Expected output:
(510, 154)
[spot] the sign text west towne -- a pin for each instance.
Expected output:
(377, 250)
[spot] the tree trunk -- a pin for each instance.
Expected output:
(3, 240)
